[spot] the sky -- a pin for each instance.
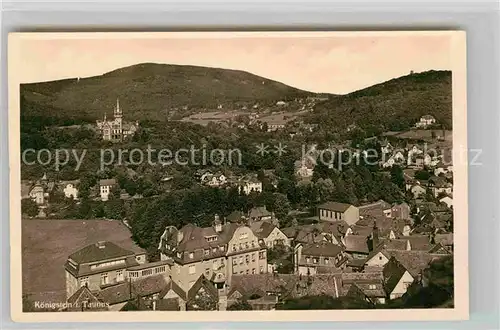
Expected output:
(317, 62)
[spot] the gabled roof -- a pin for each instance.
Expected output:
(174, 287)
(357, 243)
(414, 261)
(107, 182)
(202, 282)
(393, 271)
(370, 284)
(262, 229)
(83, 293)
(194, 241)
(129, 290)
(334, 206)
(322, 249)
(288, 285)
(98, 252)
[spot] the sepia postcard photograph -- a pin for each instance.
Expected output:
(238, 176)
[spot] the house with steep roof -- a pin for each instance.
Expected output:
(143, 292)
(224, 248)
(264, 291)
(369, 286)
(334, 211)
(312, 233)
(439, 185)
(397, 279)
(269, 234)
(99, 265)
(322, 257)
(260, 213)
(83, 300)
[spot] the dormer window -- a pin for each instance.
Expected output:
(207, 252)
(222, 248)
(179, 255)
(191, 255)
(214, 250)
(211, 238)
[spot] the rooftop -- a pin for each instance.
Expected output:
(99, 251)
(334, 206)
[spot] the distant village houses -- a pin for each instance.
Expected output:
(425, 121)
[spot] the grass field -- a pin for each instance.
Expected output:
(46, 244)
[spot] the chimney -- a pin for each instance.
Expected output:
(101, 244)
(375, 235)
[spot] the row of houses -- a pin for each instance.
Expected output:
(246, 184)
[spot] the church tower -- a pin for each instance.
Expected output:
(117, 125)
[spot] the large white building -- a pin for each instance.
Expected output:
(116, 129)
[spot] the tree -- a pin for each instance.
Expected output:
(397, 176)
(281, 206)
(240, 305)
(29, 207)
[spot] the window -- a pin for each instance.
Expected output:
(380, 258)
(222, 248)
(211, 238)
(326, 261)
(253, 256)
(191, 255)
(214, 250)
(179, 255)
(147, 272)
(134, 274)
(315, 260)
(262, 255)
(214, 264)
(192, 269)
(234, 271)
(253, 270)
(308, 260)
(84, 281)
(104, 278)
(119, 276)
(241, 259)
(207, 252)
(243, 235)
(234, 247)
(247, 271)
(372, 287)
(241, 272)
(261, 269)
(235, 261)
(247, 258)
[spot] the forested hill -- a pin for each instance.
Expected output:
(393, 105)
(149, 91)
